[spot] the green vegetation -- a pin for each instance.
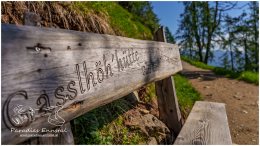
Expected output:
(248, 76)
(150, 93)
(142, 12)
(203, 24)
(197, 63)
(168, 35)
(104, 125)
(186, 94)
(122, 22)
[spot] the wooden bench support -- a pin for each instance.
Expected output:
(169, 111)
(207, 124)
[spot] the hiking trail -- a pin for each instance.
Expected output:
(241, 101)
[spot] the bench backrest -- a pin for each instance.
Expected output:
(50, 76)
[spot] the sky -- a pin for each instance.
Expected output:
(169, 12)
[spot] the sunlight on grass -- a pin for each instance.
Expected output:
(247, 76)
(186, 94)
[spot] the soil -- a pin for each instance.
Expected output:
(241, 101)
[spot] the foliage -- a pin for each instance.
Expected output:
(206, 25)
(104, 125)
(169, 36)
(197, 63)
(248, 76)
(150, 92)
(186, 94)
(199, 23)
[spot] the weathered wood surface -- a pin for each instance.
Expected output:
(207, 124)
(169, 111)
(50, 76)
(64, 138)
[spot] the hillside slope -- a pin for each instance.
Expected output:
(98, 17)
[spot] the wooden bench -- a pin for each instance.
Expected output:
(51, 76)
(207, 124)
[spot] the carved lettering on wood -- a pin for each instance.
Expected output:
(39, 87)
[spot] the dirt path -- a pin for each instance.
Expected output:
(241, 101)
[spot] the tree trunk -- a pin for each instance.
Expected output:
(246, 56)
(231, 56)
(256, 45)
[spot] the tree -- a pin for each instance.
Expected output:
(184, 32)
(254, 25)
(168, 35)
(202, 20)
(228, 41)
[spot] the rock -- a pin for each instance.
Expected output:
(207, 87)
(199, 78)
(238, 97)
(209, 94)
(244, 111)
(152, 141)
(144, 111)
(149, 125)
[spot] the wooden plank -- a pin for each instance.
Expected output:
(50, 76)
(65, 138)
(169, 111)
(207, 124)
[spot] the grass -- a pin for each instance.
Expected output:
(197, 63)
(122, 22)
(247, 76)
(104, 125)
(187, 95)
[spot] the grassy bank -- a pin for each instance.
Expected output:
(122, 22)
(187, 95)
(105, 125)
(247, 76)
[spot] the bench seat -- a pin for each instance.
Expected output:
(207, 124)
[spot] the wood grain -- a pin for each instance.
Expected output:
(207, 124)
(64, 138)
(169, 111)
(54, 75)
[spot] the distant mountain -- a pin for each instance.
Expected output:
(217, 59)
